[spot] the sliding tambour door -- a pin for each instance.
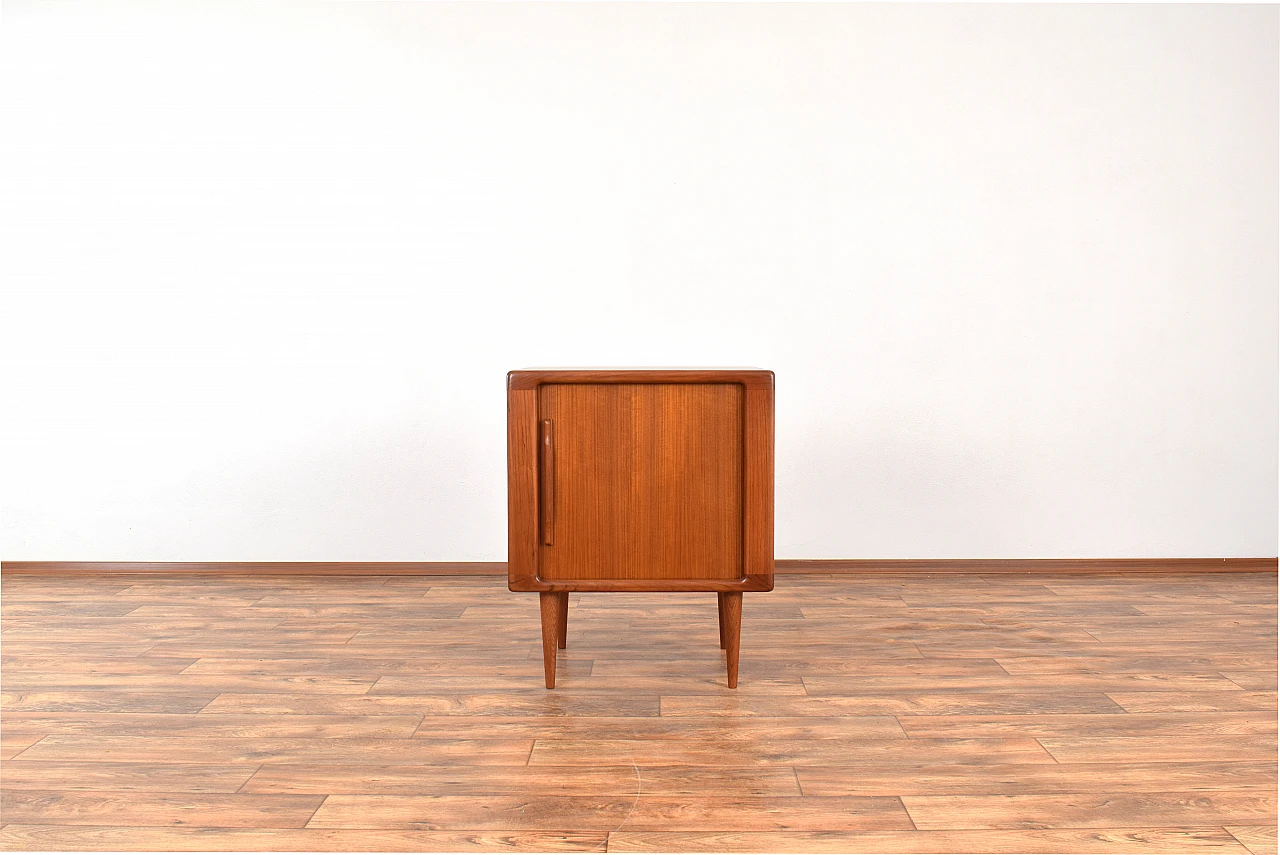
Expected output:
(640, 481)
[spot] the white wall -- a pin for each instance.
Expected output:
(265, 266)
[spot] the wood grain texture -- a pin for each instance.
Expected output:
(648, 481)
(946, 775)
(562, 619)
(522, 489)
(971, 705)
(1087, 810)
(758, 560)
(214, 725)
(126, 776)
(65, 807)
(214, 839)
(732, 607)
(1111, 840)
(578, 780)
(640, 812)
(720, 617)
(1170, 725)
(549, 609)
(227, 751)
(695, 751)
(645, 481)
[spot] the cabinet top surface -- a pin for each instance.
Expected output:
(528, 378)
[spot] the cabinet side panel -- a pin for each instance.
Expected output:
(758, 538)
(522, 489)
(649, 481)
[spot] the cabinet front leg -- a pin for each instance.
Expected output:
(732, 633)
(563, 619)
(549, 604)
(720, 616)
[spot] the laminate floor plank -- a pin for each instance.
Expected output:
(936, 778)
(959, 703)
(713, 752)
(188, 683)
(602, 813)
(379, 667)
(1036, 713)
(1207, 702)
(69, 807)
(1126, 662)
(748, 730)
(1204, 606)
(198, 725)
(611, 780)
(433, 651)
(51, 647)
(233, 751)
(1227, 724)
(1120, 841)
(43, 609)
(47, 774)
(565, 701)
(17, 667)
(1089, 810)
(214, 839)
(1181, 748)
(908, 684)
(103, 700)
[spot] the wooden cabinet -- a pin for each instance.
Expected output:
(639, 480)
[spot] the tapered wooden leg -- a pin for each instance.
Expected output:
(720, 617)
(563, 619)
(549, 603)
(732, 633)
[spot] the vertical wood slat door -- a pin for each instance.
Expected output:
(647, 481)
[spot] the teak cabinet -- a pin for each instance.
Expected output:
(639, 480)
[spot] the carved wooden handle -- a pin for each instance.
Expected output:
(548, 482)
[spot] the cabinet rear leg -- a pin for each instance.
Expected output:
(732, 633)
(720, 616)
(549, 605)
(563, 619)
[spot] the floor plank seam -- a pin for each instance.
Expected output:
(307, 824)
(1045, 749)
(911, 819)
(29, 747)
(240, 789)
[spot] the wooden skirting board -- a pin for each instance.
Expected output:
(907, 566)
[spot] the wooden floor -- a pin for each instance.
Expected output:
(875, 714)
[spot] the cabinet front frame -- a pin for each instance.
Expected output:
(523, 495)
